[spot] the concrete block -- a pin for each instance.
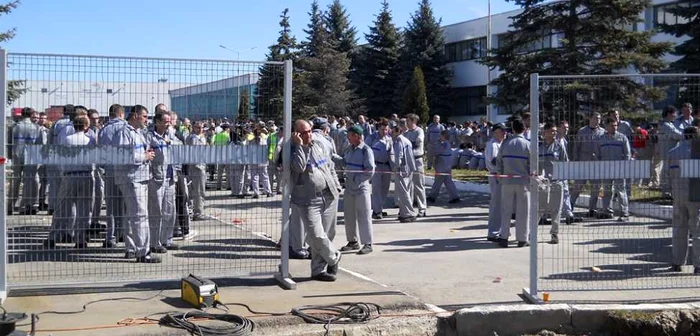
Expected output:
(512, 320)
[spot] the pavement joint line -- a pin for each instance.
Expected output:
(431, 307)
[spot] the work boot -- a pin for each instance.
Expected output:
(159, 249)
(376, 215)
(408, 219)
(676, 268)
(333, 269)
(430, 199)
(502, 242)
(555, 239)
(523, 244)
(367, 249)
(324, 277)
(148, 259)
(350, 247)
(454, 200)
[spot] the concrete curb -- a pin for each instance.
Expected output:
(523, 319)
(636, 208)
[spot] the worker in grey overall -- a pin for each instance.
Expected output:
(514, 159)
(313, 190)
(614, 146)
(551, 194)
(404, 166)
(685, 212)
(258, 172)
(567, 209)
(432, 138)
(668, 136)
(60, 129)
(584, 144)
(132, 180)
(197, 173)
(98, 173)
(381, 144)
(415, 135)
(357, 206)
(24, 133)
(77, 189)
(491, 153)
(113, 196)
(238, 171)
(161, 187)
(443, 170)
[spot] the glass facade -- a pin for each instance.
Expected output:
(466, 50)
(544, 42)
(469, 101)
(663, 16)
(221, 103)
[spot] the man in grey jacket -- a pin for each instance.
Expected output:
(381, 144)
(313, 190)
(404, 165)
(614, 146)
(24, 133)
(132, 181)
(357, 207)
(584, 144)
(514, 159)
(669, 136)
(415, 135)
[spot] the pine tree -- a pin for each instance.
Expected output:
(688, 50)
(378, 66)
(424, 46)
(244, 106)
(15, 88)
(341, 35)
(414, 99)
(595, 38)
(317, 36)
(321, 85)
(270, 89)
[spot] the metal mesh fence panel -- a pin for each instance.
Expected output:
(628, 218)
(103, 194)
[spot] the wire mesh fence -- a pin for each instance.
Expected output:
(617, 161)
(134, 169)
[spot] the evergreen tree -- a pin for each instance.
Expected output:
(341, 35)
(414, 99)
(270, 89)
(321, 85)
(378, 66)
(595, 37)
(317, 36)
(424, 46)
(688, 50)
(244, 106)
(15, 88)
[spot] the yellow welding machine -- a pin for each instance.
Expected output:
(199, 292)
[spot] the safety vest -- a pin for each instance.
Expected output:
(272, 147)
(221, 138)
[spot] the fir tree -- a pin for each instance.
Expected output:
(424, 46)
(15, 88)
(414, 99)
(595, 37)
(270, 89)
(378, 66)
(688, 50)
(341, 35)
(317, 36)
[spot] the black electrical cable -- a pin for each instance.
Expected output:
(251, 309)
(342, 313)
(241, 326)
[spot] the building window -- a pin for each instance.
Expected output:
(469, 101)
(544, 42)
(466, 50)
(663, 16)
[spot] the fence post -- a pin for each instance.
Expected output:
(3, 175)
(283, 276)
(531, 293)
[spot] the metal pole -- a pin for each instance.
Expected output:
(534, 190)
(3, 175)
(283, 277)
(489, 107)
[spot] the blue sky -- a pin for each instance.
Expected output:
(192, 29)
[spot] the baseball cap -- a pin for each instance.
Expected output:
(356, 129)
(499, 126)
(319, 122)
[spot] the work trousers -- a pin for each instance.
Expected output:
(317, 217)
(515, 197)
(138, 236)
(358, 213)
